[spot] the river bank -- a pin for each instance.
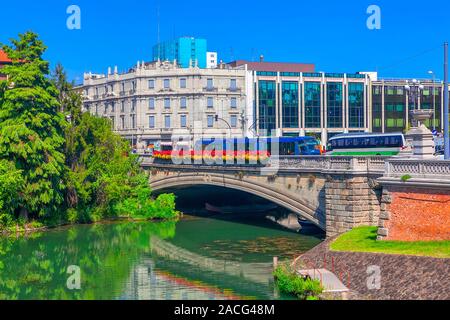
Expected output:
(402, 277)
(35, 226)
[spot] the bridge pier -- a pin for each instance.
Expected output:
(351, 201)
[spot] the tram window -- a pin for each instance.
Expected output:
(287, 148)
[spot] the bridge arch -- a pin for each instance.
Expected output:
(297, 206)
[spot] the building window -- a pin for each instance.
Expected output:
(290, 103)
(267, 105)
(210, 102)
(167, 103)
(210, 121)
(166, 83)
(133, 121)
(356, 112)
(209, 83)
(151, 122)
(334, 105)
(113, 106)
(113, 122)
(151, 103)
(431, 99)
(183, 103)
(133, 106)
(233, 84)
(377, 107)
(183, 83)
(233, 102)
(312, 104)
(395, 109)
(122, 122)
(233, 121)
(167, 122)
(151, 84)
(123, 86)
(122, 106)
(183, 121)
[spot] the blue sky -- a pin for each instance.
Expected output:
(332, 34)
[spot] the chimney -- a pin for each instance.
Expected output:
(261, 58)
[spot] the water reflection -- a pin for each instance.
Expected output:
(196, 258)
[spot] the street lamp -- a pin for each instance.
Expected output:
(434, 99)
(217, 118)
(414, 88)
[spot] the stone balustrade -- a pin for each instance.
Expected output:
(331, 164)
(416, 168)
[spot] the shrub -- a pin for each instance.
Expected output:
(289, 282)
(406, 177)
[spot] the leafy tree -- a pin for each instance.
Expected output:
(104, 178)
(31, 129)
(10, 183)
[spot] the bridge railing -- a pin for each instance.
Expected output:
(416, 168)
(371, 164)
(331, 163)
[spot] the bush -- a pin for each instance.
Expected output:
(289, 282)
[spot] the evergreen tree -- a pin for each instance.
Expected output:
(31, 128)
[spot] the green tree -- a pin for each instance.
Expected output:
(103, 179)
(31, 128)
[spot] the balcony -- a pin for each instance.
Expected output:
(234, 90)
(210, 89)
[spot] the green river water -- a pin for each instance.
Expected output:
(194, 258)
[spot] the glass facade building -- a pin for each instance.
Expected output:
(267, 105)
(305, 103)
(335, 117)
(185, 50)
(356, 110)
(290, 104)
(391, 105)
(313, 104)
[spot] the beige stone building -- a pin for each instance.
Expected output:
(153, 101)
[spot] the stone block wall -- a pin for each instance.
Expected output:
(410, 213)
(351, 201)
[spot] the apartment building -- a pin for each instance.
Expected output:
(153, 101)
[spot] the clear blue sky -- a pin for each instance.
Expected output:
(332, 34)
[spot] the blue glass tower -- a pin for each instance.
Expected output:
(184, 50)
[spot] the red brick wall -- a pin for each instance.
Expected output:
(418, 214)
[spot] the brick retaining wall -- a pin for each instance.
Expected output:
(414, 214)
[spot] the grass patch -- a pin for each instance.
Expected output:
(364, 239)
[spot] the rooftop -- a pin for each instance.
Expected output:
(4, 58)
(274, 66)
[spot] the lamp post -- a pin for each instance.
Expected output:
(414, 88)
(217, 118)
(434, 99)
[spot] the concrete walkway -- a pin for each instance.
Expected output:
(329, 280)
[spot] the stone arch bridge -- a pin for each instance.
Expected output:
(335, 193)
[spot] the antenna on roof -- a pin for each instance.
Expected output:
(158, 31)
(253, 54)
